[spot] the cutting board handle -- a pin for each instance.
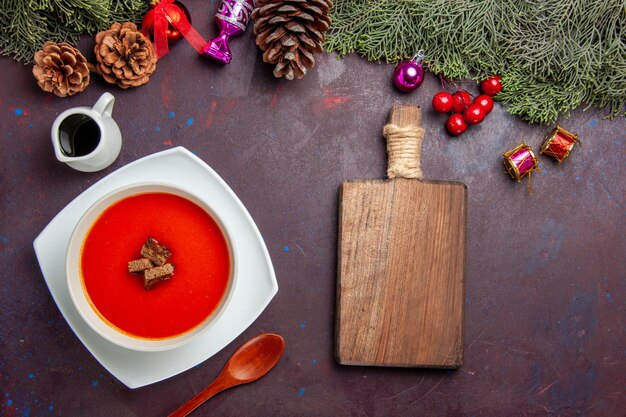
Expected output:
(404, 137)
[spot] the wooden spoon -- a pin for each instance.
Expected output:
(250, 362)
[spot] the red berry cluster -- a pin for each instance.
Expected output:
(464, 111)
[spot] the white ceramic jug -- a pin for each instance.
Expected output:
(87, 139)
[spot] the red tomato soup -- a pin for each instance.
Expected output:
(172, 307)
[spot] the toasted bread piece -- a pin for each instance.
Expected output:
(139, 265)
(158, 254)
(158, 273)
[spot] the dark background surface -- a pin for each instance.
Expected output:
(545, 288)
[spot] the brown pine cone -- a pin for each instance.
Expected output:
(290, 32)
(125, 56)
(61, 69)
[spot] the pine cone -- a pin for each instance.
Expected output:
(125, 56)
(61, 69)
(290, 32)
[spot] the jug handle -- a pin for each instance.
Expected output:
(104, 105)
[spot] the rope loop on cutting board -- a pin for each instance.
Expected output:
(404, 147)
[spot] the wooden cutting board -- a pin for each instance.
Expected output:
(401, 269)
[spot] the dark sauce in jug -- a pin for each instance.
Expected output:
(79, 135)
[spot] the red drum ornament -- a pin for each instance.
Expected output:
(520, 161)
(559, 143)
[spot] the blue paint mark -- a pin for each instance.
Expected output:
(301, 391)
(548, 245)
(303, 325)
(535, 381)
(314, 361)
(19, 112)
(157, 129)
(286, 248)
(579, 388)
(7, 395)
(94, 383)
(172, 114)
(190, 121)
(581, 320)
(31, 376)
(608, 296)
(4, 239)
(592, 123)
(26, 411)
(30, 125)
(9, 403)
(50, 407)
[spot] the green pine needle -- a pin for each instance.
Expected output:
(553, 55)
(25, 25)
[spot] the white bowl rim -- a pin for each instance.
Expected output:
(74, 279)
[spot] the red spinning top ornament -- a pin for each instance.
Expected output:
(166, 23)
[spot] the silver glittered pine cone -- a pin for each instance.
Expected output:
(125, 56)
(61, 69)
(290, 32)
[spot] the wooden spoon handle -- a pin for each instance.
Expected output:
(216, 386)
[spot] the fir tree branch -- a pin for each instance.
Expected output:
(553, 55)
(25, 25)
